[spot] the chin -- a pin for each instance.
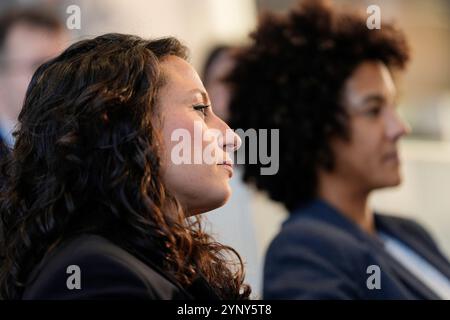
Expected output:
(391, 181)
(212, 199)
(220, 198)
(398, 178)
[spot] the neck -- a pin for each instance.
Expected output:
(349, 199)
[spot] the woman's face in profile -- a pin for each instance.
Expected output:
(197, 163)
(371, 157)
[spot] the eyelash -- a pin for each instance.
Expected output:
(374, 111)
(202, 108)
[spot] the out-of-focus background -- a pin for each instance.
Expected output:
(251, 220)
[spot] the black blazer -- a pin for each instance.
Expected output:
(107, 272)
(320, 254)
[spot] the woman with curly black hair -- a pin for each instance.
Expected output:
(326, 82)
(94, 205)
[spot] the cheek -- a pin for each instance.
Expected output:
(367, 142)
(190, 133)
(19, 83)
(199, 188)
(203, 186)
(357, 156)
(175, 125)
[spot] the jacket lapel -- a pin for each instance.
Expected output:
(324, 211)
(434, 257)
(392, 227)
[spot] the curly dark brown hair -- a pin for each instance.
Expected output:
(291, 77)
(87, 160)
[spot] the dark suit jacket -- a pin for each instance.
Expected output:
(320, 254)
(107, 272)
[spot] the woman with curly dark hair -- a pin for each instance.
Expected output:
(94, 205)
(325, 81)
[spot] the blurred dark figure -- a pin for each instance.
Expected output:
(234, 222)
(28, 37)
(326, 81)
(217, 66)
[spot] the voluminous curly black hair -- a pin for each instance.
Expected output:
(291, 77)
(87, 160)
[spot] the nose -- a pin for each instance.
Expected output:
(396, 126)
(229, 141)
(234, 142)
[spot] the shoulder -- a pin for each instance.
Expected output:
(314, 259)
(92, 267)
(401, 226)
(311, 233)
(316, 243)
(406, 224)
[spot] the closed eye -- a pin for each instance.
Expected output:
(202, 108)
(374, 111)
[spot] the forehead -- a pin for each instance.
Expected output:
(181, 83)
(178, 73)
(371, 77)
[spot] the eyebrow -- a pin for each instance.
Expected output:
(374, 98)
(204, 95)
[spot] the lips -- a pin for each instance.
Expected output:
(391, 157)
(227, 165)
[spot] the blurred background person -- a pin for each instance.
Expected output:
(28, 37)
(234, 223)
(218, 64)
(326, 82)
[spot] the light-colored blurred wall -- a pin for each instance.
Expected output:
(198, 23)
